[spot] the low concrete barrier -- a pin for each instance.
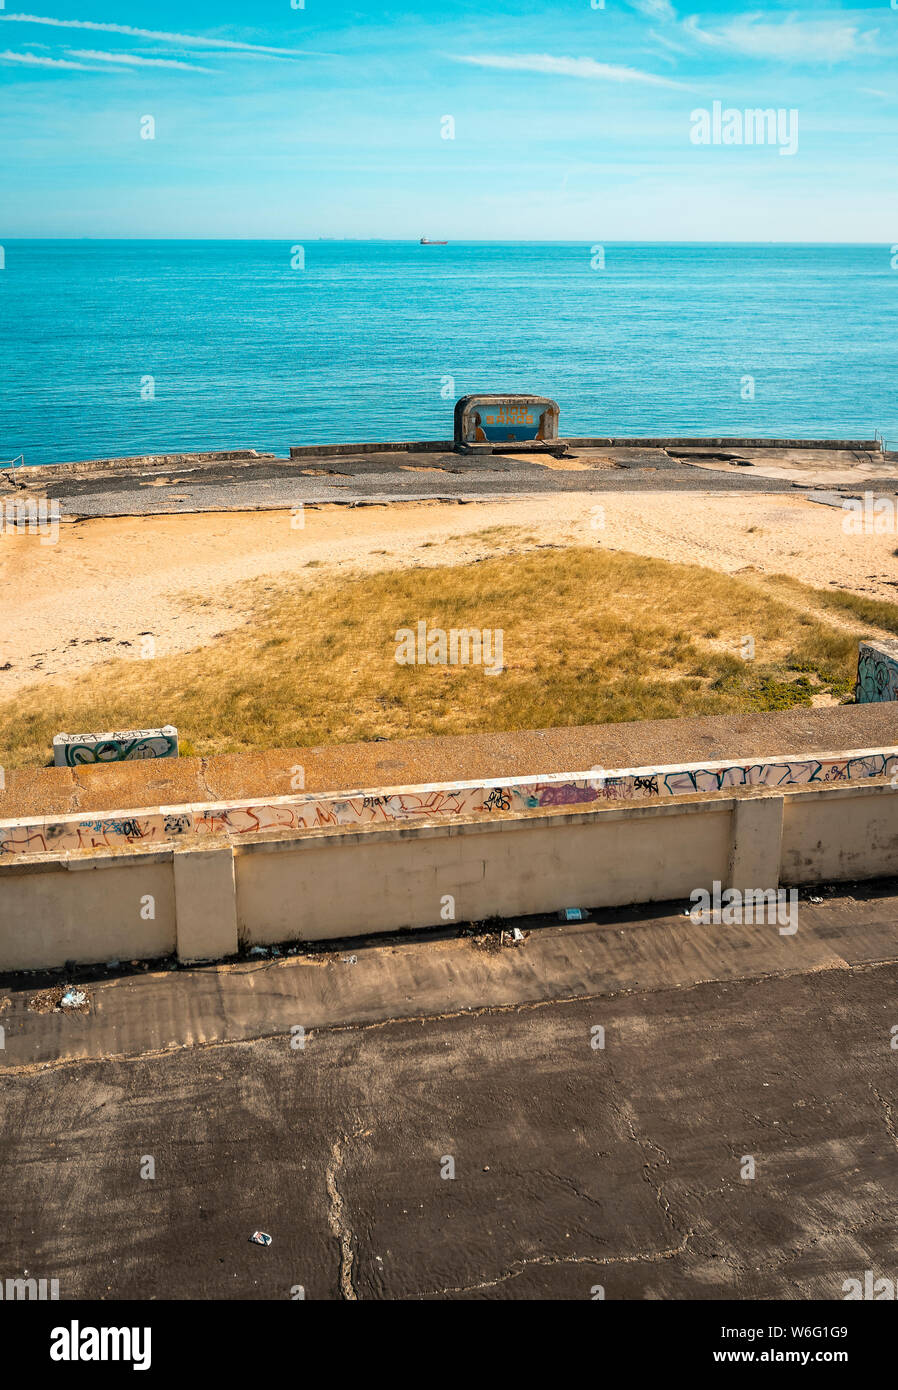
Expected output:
(437, 801)
(877, 672)
(139, 463)
(96, 908)
(593, 441)
(200, 879)
(79, 750)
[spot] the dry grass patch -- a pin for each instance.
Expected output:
(873, 612)
(588, 637)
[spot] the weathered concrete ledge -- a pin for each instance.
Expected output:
(597, 442)
(202, 875)
(135, 463)
(28, 475)
(205, 899)
(722, 442)
(449, 801)
(32, 792)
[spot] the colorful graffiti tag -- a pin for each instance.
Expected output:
(76, 750)
(877, 672)
(447, 801)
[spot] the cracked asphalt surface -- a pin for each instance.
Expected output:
(574, 1166)
(131, 489)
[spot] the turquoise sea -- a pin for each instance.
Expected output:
(265, 344)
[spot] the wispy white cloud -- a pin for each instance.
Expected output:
(675, 45)
(37, 60)
(793, 39)
(183, 40)
(566, 67)
(661, 10)
(136, 60)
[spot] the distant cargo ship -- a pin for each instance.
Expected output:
(425, 241)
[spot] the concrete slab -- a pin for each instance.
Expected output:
(358, 474)
(429, 974)
(575, 1166)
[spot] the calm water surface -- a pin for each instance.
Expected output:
(375, 340)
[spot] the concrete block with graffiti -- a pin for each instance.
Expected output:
(503, 419)
(76, 750)
(877, 672)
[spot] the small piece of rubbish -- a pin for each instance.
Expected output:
(60, 999)
(349, 960)
(73, 999)
(572, 914)
(113, 964)
(815, 900)
(260, 1238)
(517, 934)
(259, 951)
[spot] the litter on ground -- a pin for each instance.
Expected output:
(73, 998)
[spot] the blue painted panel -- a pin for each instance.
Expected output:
(503, 423)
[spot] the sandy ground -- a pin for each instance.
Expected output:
(182, 580)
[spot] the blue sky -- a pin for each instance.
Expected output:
(327, 120)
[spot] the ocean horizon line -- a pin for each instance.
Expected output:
(414, 241)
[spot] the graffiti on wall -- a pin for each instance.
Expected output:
(448, 801)
(76, 750)
(877, 672)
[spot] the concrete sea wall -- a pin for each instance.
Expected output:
(202, 879)
(444, 801)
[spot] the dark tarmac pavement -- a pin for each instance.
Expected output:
(182, 483)
(574, 1166)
